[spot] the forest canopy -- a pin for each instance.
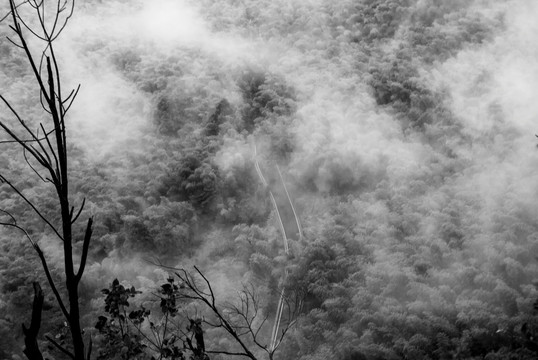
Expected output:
(403, 131)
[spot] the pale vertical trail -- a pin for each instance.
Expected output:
(257, 165)
(273, 201)
(278, 317)
(299, 227)
(281, 224)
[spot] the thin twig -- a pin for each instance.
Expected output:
(31, 167)
(59, 347)
(79, 212)
(21, 195)
(9, 12)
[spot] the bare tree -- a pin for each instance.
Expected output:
(45, 151)
(244, 320)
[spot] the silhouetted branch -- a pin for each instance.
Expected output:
(31, 167)
(209, 300)
(51, 281)
(79, 211)
(60, 347)
(9, 12)
(37, 155)
(50, 153)
(85, 248)
(56, 166)
(41, 257)
(21, 195)
(31, 349)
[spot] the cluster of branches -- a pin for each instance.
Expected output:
(133, 333)
(44, 146)
(244, 321)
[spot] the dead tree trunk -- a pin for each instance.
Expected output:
(45, 151)
(31, 349)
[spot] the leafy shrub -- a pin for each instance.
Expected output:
(135, 334)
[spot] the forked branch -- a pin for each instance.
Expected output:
(47, 147)
(243, 321)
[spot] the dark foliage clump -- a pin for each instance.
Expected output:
(399, 86)
(217, 118)
(171, 114)
(265, 96)
(194, 179)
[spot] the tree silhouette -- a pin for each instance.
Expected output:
(45, 152)
(244, 322)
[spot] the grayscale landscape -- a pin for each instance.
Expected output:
(268, 179)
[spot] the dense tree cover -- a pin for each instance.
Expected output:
(417, 204)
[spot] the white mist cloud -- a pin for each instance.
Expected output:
(168, 21)
(493, 91)
(110, 113)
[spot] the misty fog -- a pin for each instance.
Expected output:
(404, 131)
